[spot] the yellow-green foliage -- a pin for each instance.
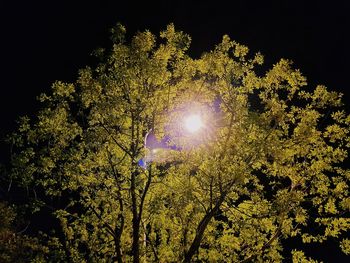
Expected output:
(268, 164)
(15, 246)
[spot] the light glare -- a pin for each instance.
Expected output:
(193, 123)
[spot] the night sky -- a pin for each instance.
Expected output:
(44, 41)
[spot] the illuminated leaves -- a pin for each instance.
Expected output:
(345, 246)
(266, 166)
(299, 257)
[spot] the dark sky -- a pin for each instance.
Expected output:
(44, 41)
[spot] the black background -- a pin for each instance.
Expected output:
(44, 41)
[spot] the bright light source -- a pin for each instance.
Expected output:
(155, 150)
(193, 123)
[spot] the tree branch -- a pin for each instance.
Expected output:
(116, 142)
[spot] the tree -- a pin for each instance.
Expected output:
(14, 245)
(266, 165)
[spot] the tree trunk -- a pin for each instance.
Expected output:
(135, 241)
(135, 250)
(119, 231)
(201, 228)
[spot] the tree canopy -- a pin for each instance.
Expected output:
(267, 164)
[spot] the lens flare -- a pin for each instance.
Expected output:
(193, 123)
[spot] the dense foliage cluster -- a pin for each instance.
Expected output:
(267, 165)
(14, 245)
